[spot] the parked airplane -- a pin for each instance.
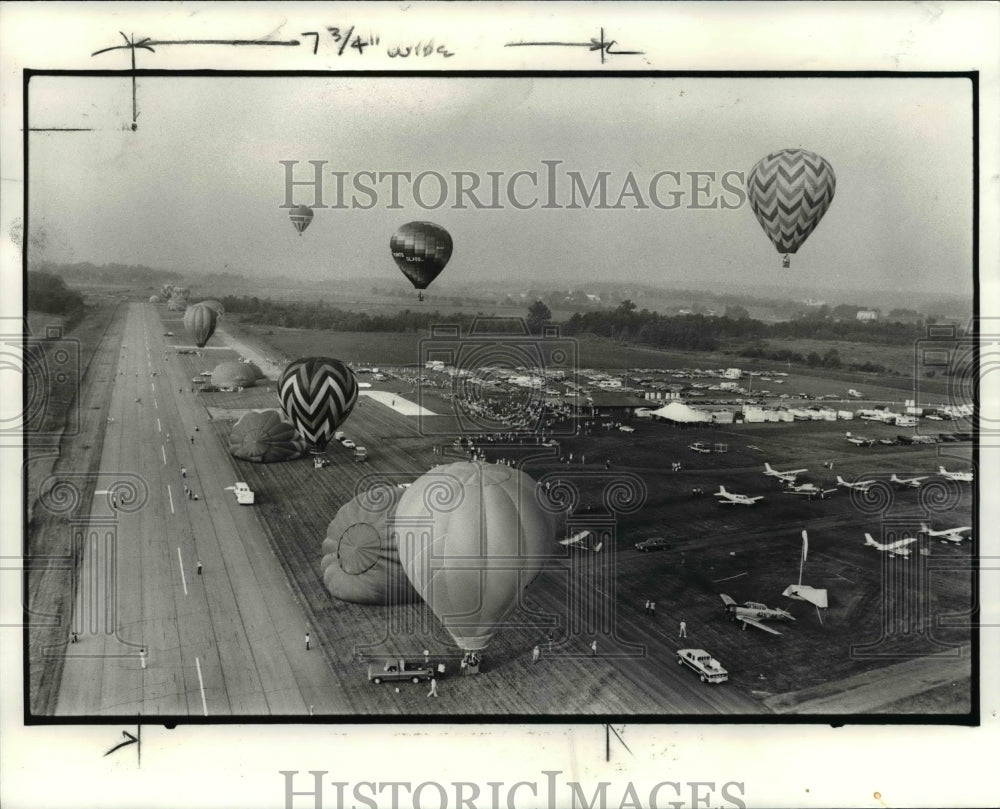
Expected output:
(753, 613)
(784, 477)
(810, 490)
(911, 482)
(736, 499)
(583, 540)
(960, 477)
(949, 534)
(892, 548)
(860, 485)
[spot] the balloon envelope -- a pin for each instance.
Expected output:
(233, 375)
(360, 558)
(317, 394)
(211, 303)
(421, 250)
(471, 537)
(200, 322)
(265, 436)
(301, 217)
(789, 191)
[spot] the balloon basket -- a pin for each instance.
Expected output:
(470, 664)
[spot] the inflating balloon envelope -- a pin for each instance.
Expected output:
(360, 559)
(265, 436)
(471, 537)
(200, 321)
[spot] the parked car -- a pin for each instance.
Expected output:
(652, 544)
(347, 443)
(709, 669)
(397, 670)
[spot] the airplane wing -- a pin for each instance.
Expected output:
(901, 543)
(759, 625)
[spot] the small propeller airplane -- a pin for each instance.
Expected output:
(959, 477)
(949, 534)
(896, 548)
(860, 440)
(583, 540)
(860, 485)
(784, 477)
(731, 499)
(810, 490)
(913, 483)
(753, 613)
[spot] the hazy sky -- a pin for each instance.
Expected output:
(199, 185)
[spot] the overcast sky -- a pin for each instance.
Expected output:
(199, 186)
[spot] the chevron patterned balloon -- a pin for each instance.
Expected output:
(317, 394)
(789, 192)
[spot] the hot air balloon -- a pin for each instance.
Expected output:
(471, 537)
(789, 192)
(200, 321)
(317, 394)
(421, 250)
(301, 217)
(154, 298)
(233, 375)
(265, 436)
(360, 559)
(211, 303)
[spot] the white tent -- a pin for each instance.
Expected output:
(679, 412)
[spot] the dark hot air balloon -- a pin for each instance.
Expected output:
(301, 217)
(317, 394)
(265, 436)
(200, 322)
(421, 250)
(789, 192)
(211, 303)
(471, 537)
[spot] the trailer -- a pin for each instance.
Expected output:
(244, 494)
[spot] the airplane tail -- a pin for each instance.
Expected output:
(722, 489)
(925, 528)
(841, 481)
(894, 479)
(767, 467)
(870, 540)
(598, 546)
(942, 470)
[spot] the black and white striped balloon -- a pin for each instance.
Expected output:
(317, 394)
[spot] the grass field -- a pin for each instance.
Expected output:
(882, 610)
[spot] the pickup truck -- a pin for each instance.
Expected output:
(397, 670)
(709, 669)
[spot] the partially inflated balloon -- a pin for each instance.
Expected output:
(264, 436)
(200, 322)
(301, 217)
(421, 250)
(360, 559)
(317, 394)
(471, 537)
(233, 375)
(789, 192)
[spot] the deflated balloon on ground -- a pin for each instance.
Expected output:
(265, 436)
(360, 561)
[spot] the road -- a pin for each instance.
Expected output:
(229, 640)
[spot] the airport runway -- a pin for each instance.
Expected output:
(230, 640)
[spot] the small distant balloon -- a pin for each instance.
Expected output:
(421, 250)
(301, 217)
(789, 191)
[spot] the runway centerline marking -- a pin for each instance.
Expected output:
(159, 428)
(201, 685)
(170, 494)
(180, 564)
(163, 452)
